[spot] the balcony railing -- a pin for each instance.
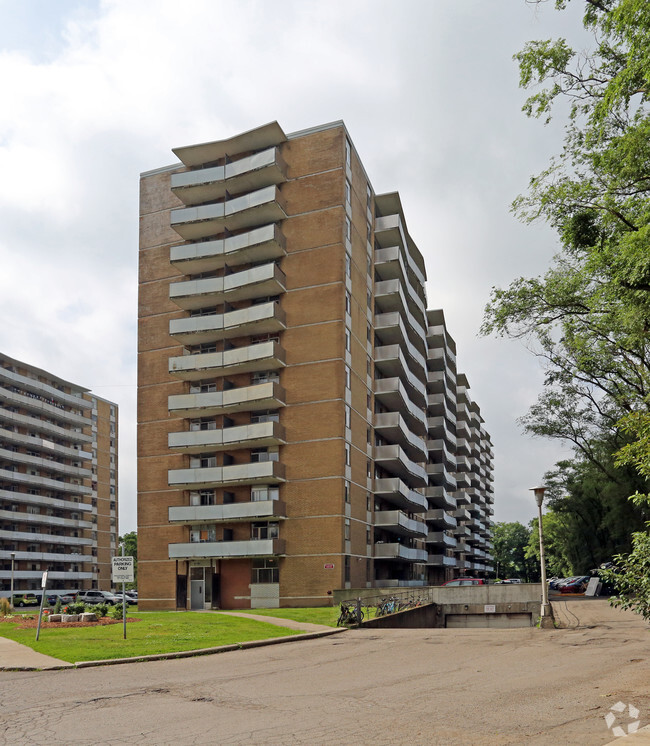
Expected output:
(262, 356)
(397, 551)
(255, 208)
(399, 523)
(255, 435)
(257, 282)
(268, 395)
(227, 549)
(230, 513)
(266, 472)
(397, 493)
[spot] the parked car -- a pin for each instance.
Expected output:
(466, 581)
(119, 597)
(26, 599)
(66, 598)
(577, 585)
(133, 595)
(97, 597)
(512, 580)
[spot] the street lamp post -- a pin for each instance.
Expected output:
(13, 562)
(547, 614)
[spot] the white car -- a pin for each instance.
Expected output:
(97, 597)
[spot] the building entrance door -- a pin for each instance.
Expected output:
(197, 588)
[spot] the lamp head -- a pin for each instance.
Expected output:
(539, 495)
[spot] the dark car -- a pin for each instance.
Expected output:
(577, 585)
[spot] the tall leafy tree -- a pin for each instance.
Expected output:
(130, 541)
(510, 542)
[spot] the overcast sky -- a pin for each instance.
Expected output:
(94, 93)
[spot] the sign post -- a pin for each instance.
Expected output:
(123, 573)
(40, 611)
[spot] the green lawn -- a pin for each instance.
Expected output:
(156, 632)
(321, 615)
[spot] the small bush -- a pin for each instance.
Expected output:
(76, 608)
(115, 612)
(99, 610)
(5, 607)
(57, 605)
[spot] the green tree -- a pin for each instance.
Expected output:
(510, 542)
(130, 541)
(558, 564)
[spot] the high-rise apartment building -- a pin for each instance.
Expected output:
(302, 427)
(58, 481)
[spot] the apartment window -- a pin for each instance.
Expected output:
(347, 377)
(346, 491)
(347, 568)
(265, 570)
(258, 455)
(347, 454)
(368, 198)
(269, 530)
(368, 502)
(265, 376)
(348, 415)
(348, 153)
(348, 302)
(368, 232)
(204, 461)
(348, 340)
(348, 266)
(203, 423)
(347, 529)
(368, 469)
(264, 492)
(348, 193)
(369, 300)
(348, 228)
(369, 334)
(268, 416)
(203, 387)
(368, 536)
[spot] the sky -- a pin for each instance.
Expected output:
(94, 93)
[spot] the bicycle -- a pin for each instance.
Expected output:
(349, 615)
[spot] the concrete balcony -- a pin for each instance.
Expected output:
(394, 397)
(36, 480)
(440, 429)
(43, 445)
(244, 175)
(42, 518)
(395, 551)
(392, 330)
(440, 519)
(44, 464)
(265, 318)
(42, 407)
(244, 399)
(391, 361)
(397, 493)
(227, 549)
(462, 498)
(390, 230)
(399, 523)
(440, 538)
(24, 498)
(463, 532)
(250, 210)
(394, 459)
(439, 452)
(230, 513)
(255, 435)
(266, 472)
(40, 556)
(263, 244)
(393, 428)
(43, 391)
(441, 560)
(51, 575)
(391, 264)
(43, 428)
(248, 359)
(442, 382)
(438, 405)
(45, 538)
(391, 298)
(257, 282)
(441, 359)
(439, 476)
(438, 497)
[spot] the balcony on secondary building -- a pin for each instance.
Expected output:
(391, 361)
(396, 551)
(394, 460)
(438, 497)
(249, 358)
(397, 522)
(269, 395)
(393, 428)
(228, 513)
(392, 394)
(441, 560)
(390, 265)
(257, 282)
(43, 428)
(43, 407)
(271, 472)
(440, 519)
(440, 476)
(391, 298)
(263, 244)
(394, 491)
(441, 539)
(263, 318)
(244, 175)
(227, 549)
(390, 230)
(255, 435)
(392, 330)
(247, 211)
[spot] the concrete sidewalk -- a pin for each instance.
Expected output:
(14, 656)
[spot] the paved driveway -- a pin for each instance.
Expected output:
(361, 687)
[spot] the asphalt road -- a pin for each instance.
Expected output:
(360, 687)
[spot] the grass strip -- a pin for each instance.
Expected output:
(156, 632)
(326, 615)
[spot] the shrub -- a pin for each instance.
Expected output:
(99, 610)
(57, 605)
(75, 608)
(5, 607)
(116, 612)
